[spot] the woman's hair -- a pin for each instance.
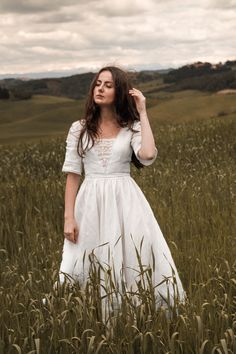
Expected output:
(125, 109)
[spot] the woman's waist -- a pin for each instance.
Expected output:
(107, 175)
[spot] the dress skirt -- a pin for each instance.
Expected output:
(117, 225)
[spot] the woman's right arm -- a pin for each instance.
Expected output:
(71, 229)
(73, 166)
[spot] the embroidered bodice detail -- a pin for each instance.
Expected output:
(103, 148)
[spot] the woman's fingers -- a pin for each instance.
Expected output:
(71, 231)
(135, 92)
(139, 98)
(76, 233)
(72, 235)
(69, 236)
(132, 92)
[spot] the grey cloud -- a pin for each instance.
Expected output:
(58, 17)
(121, 8)
(36, 6)
(137, 33)
(222, 4)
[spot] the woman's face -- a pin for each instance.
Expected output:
(104, 90)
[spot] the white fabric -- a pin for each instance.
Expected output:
(112, 212)
(104, 148)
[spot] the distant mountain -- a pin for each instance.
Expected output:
(197, 76)
(75, 86)
(43, 74)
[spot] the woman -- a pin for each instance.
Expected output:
(110, 216)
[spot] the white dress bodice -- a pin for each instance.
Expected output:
(107, 156)
(103, 148)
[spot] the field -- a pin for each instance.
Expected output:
(191, 188)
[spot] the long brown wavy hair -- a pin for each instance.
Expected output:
(125, 109)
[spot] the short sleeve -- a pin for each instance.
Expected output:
(136, 144)
(73, 162)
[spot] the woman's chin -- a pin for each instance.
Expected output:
(101, 103)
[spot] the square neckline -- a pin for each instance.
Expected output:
(114, 138)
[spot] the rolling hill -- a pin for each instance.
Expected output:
(56, 103)
(44, 116)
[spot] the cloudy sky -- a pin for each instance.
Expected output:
(41, 36)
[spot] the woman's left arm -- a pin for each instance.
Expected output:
(148, 148)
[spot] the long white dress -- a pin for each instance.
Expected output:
(114, 216)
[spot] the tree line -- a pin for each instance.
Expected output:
(14, 94)
(202, 76)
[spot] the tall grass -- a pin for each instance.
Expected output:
(191, 188)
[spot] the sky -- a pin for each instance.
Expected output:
(65, 36)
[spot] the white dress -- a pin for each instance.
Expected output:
(114, 216)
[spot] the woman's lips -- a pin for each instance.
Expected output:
(99, 96)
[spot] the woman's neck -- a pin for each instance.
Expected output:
(107, 115)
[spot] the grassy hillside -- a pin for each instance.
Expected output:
(44, 116)
(40, 116)
(191, 189)
(187, 106)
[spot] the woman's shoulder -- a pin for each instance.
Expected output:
(77, 125)
(136, 124)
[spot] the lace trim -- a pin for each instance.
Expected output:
(103, 148)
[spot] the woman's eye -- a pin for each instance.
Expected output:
(108, 86)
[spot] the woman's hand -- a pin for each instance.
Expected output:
(140, 100)
(71, 230)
